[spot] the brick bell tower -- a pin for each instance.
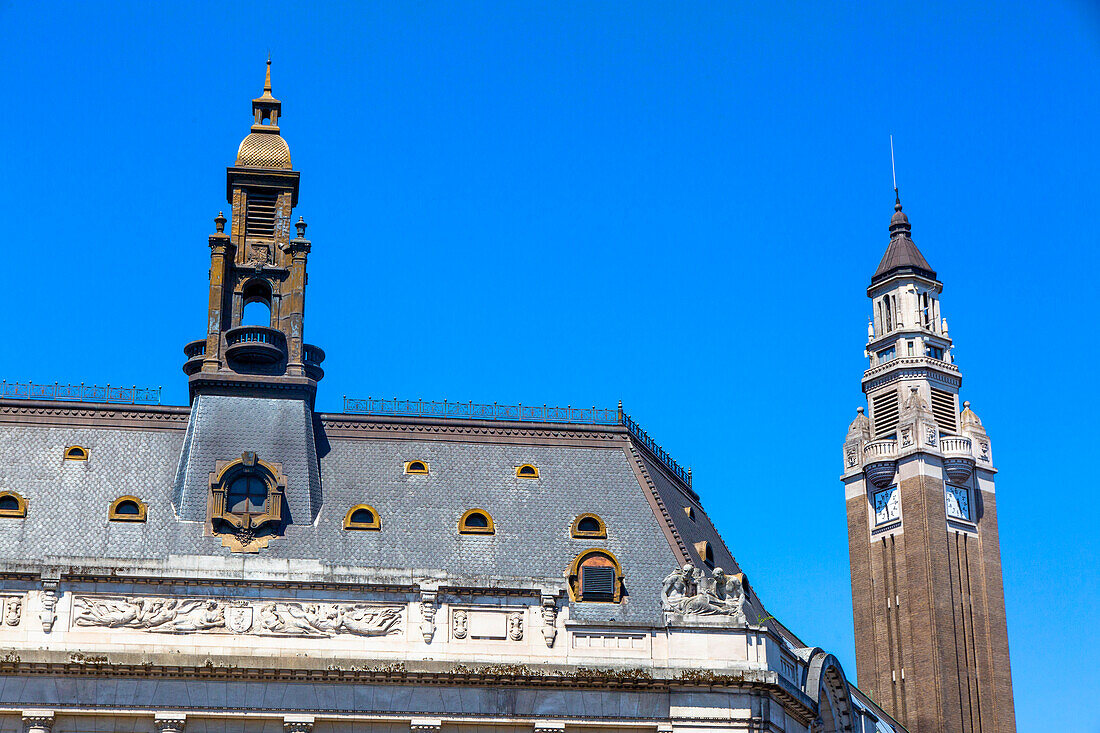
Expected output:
(252, 378)
(927, 594)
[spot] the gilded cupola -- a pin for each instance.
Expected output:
(264, 147)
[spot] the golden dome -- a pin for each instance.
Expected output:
(264, 150)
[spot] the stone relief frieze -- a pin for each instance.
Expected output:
(190, 615)
(688, 592)
(328, 619)
(166, 615)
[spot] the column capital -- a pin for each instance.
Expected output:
(169, 722)
(37, 721)
(298, 724)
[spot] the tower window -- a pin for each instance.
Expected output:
(884, 412)
(887, 355)
(936, 352)
(909, 347)
(889, 314)
(476, 521)
(246, 495)
(943, 409)
(260, 215)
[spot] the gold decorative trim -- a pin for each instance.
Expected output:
(375, 524)
(20, 511)
(114, 515)
(464, 529)
(598, 534)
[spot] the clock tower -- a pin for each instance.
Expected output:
(927, 594)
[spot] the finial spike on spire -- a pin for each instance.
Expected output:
(267, 78)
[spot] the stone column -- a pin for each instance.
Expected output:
(37, 721)
(169, 722)
(295, 300)
(219, 246)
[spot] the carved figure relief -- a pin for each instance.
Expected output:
(189, 615)
(930, 436)
(906, 436)
(850, 456)
(688, 592)
(13, 610)
(984, 451)
(459, 624)
(515, 626)
(166, 615)
(328, 619)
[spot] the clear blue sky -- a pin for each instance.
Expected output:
(676, 205)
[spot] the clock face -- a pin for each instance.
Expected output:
(958, 502)
(887, 505)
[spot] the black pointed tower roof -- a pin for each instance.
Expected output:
(902, 255)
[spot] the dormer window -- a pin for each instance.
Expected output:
(416, 467)
(246, 502)
(527, 471)
(590, 526)
(12, 505)
(76, 453)
(595, 576)
(706, 553)
(362, 516)
(476, 521)
(127, 509)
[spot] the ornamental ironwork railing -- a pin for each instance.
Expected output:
(56, 391)
(516, 413)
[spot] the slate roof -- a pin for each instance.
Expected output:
(582, 469)
(901, 254)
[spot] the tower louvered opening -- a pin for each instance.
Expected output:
(884, 411)
(260, 217)
(943, 409)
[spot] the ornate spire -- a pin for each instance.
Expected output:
(899, 222)
(267, 79)
(264, 148)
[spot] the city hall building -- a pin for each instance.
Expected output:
(245, 563)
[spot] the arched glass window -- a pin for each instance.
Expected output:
(12, 505)
(589, 525)
(127, 509)
(362, 516)
(246, 495)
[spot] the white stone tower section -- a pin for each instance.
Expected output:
(927, 594)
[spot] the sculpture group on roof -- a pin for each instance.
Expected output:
(688, 592)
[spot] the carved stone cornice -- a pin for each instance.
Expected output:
(298, 724)
(340, 425)
(83, 414)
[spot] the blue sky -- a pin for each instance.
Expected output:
(676, 205)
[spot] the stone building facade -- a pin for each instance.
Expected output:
(927, 594)
(246, 563)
